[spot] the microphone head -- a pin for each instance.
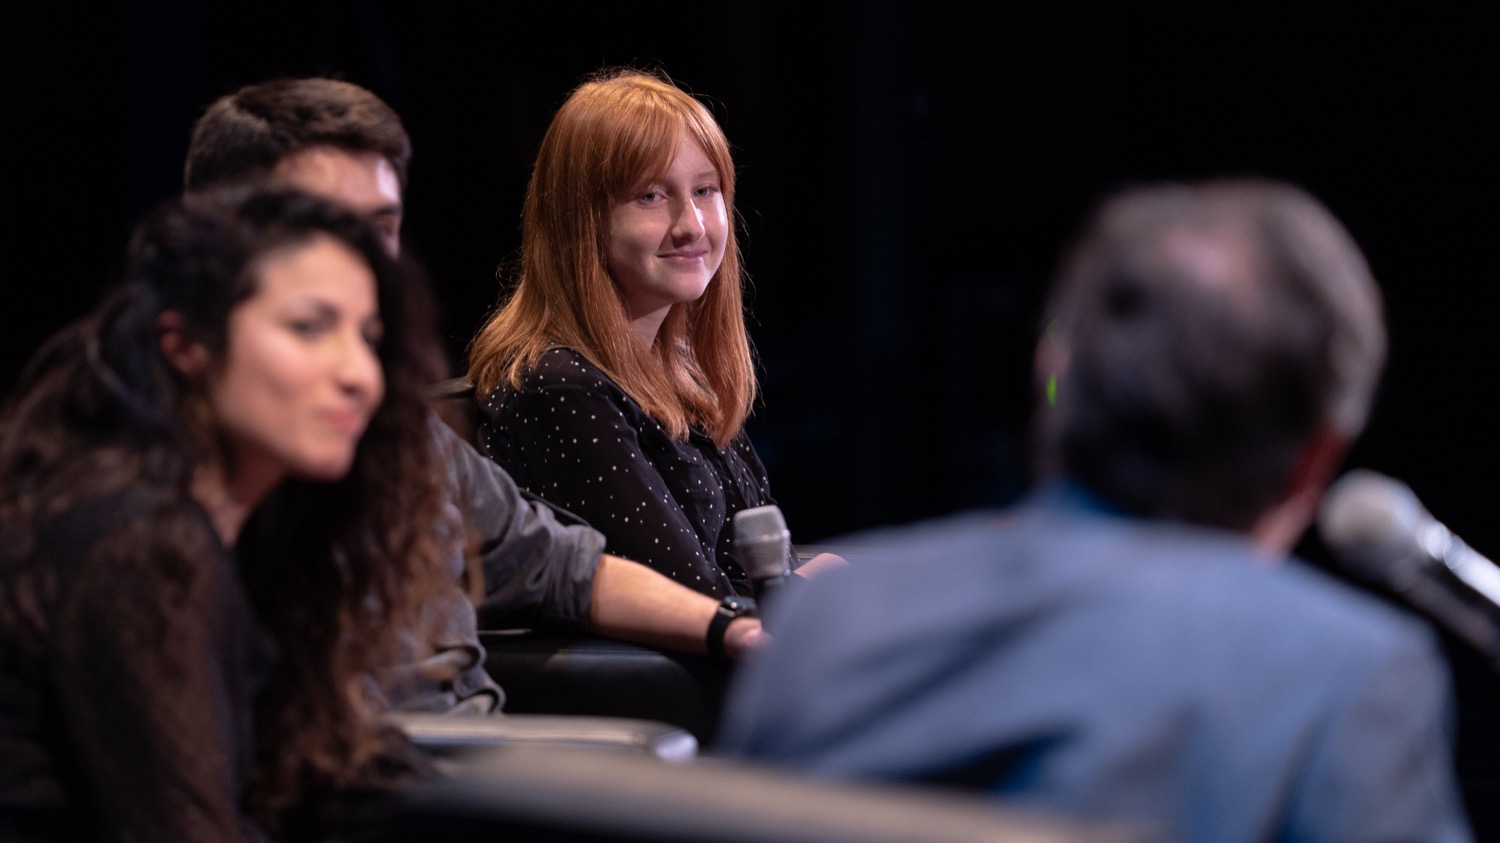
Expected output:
(764, 543)
(1372, 523)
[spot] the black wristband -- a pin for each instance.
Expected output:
(731, 607)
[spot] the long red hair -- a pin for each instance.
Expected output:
(615, 131)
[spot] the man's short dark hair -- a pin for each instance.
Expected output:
(244, 134)
(1203, 334)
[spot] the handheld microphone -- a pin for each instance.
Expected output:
(1379, 530)
(764, 546)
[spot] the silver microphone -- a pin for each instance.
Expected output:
(764, 546)
(1380, 531)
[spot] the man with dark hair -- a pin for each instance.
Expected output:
(324, 135)
(340, 141)
(1133, 643)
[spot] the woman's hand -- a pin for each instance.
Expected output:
(820, 563)
(743, 637)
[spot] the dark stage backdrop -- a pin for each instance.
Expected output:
(909, 172)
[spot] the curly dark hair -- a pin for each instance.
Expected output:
(336, 571)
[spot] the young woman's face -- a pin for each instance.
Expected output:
(666, 239)
(300, 377)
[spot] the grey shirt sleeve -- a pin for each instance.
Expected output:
(537, 570)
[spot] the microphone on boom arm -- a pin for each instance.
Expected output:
(1380, 532)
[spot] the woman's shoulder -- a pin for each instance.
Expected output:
(558, 372)
(564, 388)
(565, 367)
(133, 522)
(120, 547)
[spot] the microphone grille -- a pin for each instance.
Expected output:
(761, 536)
(759, 524)
(1370, 521)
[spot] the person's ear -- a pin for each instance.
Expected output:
(185, 355)
(1051, 361)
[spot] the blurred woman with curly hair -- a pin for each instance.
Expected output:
(217, 507)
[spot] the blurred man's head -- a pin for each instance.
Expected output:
(1212, 348)
(331, 138)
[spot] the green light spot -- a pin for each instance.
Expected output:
(1052, 390)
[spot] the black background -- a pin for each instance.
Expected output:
(909, 172)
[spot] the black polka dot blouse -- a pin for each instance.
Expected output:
(573, 437)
